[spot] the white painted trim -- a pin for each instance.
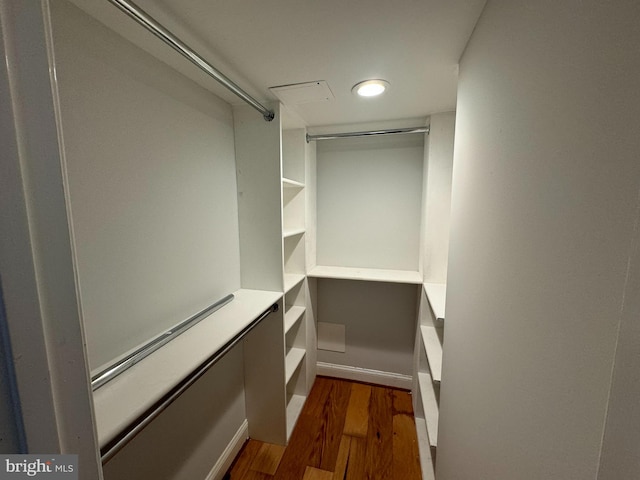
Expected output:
(38, 283)
(389, 379)
(230, 453)
(426, 462)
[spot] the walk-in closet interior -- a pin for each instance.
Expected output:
(199, 217)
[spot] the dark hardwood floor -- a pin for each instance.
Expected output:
(346, 431)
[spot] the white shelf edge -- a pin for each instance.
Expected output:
(436, 294)
(291, 316)
(433, 348)
(288, 183)
(430, 407)
(126, 397)
(292, 362)
(367, 274)
(294, 407)
(291, 280)
(292, 232)
(426, 462)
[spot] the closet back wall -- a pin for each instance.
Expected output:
(152, 184)
(369, 193)
(368, 202)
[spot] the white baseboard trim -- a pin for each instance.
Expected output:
(230, 453)
(389, 379)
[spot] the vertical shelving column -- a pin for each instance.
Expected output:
(429, 368)
(430, 325)
(258, 163)
(295, 341)
(293, 245)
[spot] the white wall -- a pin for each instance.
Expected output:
(152, 186)
(258, 153)
(368, 202)
(545, 187)
(437, 190)
(379, 320)
(620, 459)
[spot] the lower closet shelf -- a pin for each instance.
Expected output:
(122, 400)
(430, 406)
(291, 280)
(426, 461)
(291, 316)
(433, 349)
(294, 407)
(293, 360)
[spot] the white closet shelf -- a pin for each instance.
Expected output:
(291, 280)
(291, 316)
(430, 407)
(290, 232)
(126, 397)
(288, 183)
(426, 463)
(293, 360)
(433, 348)
(367, 274)
(294, 407)
(437, 294)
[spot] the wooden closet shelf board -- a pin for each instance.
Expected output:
(291, 280)
(433, 348)
(430, 407)
(287, 183)
(293, 231)
(130, 394)
(437, 294)
(426, 463)
(291, 316)
(294, 357)
(294, 407)
(366, 274)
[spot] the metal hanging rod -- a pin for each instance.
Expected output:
(147, 349)
(113, 447)
(388, 131)
(144, 19)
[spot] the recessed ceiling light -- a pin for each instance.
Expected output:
(370, 88)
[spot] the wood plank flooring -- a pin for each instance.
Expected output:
(346, 431)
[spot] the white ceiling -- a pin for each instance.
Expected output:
(414, 44)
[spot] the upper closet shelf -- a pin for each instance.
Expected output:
(367, 274)
(292, 361)
(430, 407)
(292, 315)
(126, 397)
(291, 183)
(293, 231)
(291, 280)
(437, 294)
